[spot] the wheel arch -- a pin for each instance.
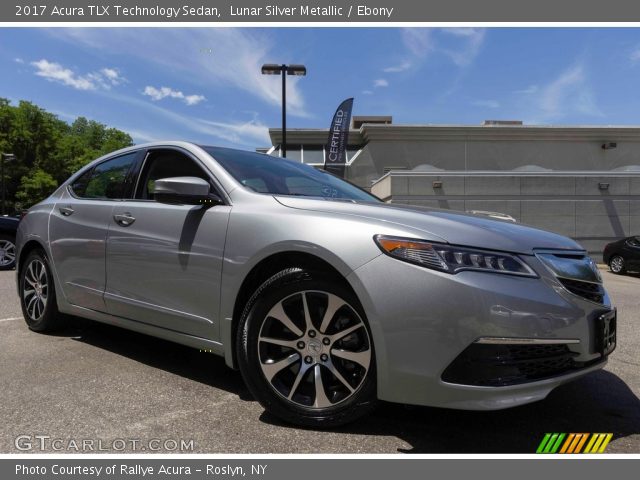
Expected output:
(29, 246)
(262, 271)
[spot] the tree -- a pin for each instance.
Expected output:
(34, 188)
(48, 150)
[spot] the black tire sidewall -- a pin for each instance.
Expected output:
(274, 290)
(49, 320)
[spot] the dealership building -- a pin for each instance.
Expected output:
(579, 181)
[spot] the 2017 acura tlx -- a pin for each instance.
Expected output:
(325, 298)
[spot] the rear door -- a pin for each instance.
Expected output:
(164, 262)
(78, 229)
(632, 247)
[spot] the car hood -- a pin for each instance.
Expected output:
(443, 225)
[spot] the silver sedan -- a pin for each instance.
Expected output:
(325, 298)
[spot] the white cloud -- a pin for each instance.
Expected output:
(54, 72)
(113, 76)
(471, 40)
(531, 89)
(569, 88)
(236, 58)
(367, 92)
(18, 60)
(461, 45)
(380, 82)
(57, 73)
(634, 56)
(418, 41)
(568, 94)
(157, 94)
(398, 68)
(238, 132)
(247, 134)
(487, 103)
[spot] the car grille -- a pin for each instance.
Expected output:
(491, 365)
(591, 291)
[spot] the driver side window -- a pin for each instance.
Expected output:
(164, 164)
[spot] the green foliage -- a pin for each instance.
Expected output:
(48, 150)
(34, 187)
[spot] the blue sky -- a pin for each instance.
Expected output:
(204, 84)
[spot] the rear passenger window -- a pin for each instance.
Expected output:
(107, 180)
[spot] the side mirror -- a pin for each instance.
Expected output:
(185, 190)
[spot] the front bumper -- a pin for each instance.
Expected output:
(422, 320)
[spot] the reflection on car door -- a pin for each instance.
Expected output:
(78, 230)
(164, 262)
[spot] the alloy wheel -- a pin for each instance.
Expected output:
(7, 253)
(617, 264)
(314, 349)
(35, 289)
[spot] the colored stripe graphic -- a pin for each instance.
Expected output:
(599, 443)
(574, 443)
(543, 443)
(550, 443)
(567, 443)
(581, 443)
(591, 442)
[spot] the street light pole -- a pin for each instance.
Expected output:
(274, 69)
(7, 156)
(284, 113)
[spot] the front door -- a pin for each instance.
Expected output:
(164, 262)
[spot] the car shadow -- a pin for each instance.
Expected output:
(597, 403)
(193, 364)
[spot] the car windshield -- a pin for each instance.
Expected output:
(279, 176)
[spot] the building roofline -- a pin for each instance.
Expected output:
(372, 131)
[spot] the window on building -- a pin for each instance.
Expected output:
(313, 154)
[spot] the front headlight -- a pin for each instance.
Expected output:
(452, 259)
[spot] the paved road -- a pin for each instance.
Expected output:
(94, 381)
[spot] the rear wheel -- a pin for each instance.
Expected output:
(305, 350)
(7, 252)
(38, 295)
(617, 264)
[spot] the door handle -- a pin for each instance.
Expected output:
(124, 219)
(66, 211)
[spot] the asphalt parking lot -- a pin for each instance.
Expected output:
(103, 384)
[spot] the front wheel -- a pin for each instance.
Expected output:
(305, 350)
(617, 264)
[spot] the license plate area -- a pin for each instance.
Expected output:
(606, 330)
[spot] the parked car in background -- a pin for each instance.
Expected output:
(623, 255)
(8, 229)
(324, 297)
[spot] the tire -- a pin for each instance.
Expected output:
(319, 374)
(7, 252)
(38, 294)
(617, 265)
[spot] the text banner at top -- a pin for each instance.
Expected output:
(299, 11)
